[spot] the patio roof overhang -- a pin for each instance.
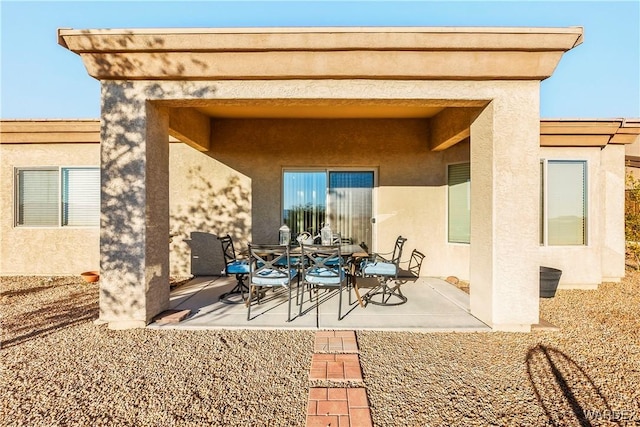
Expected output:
(441, 53)
(410, 53)
(588, 133)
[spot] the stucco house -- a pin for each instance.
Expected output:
(429, 133)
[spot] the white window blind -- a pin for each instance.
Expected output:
(38, 197)
(350, 203)
(81, 196)
(53, 197)
(305, 197)
(459, 221)
(566, 202)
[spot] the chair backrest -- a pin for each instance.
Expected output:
(228, 251)
(323, 261)
(337, 239)
(415, 263)
(397, 250)
(270, 265)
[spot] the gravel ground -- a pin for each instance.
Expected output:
(541, 378)
(58, 369)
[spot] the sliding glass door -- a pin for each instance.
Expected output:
(350, 200)
(343, 199)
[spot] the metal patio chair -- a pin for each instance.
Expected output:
(415, 263)
(270, 267)
(386, 270)
(232, 265)
(324, 268)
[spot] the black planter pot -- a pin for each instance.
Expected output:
(549, 278)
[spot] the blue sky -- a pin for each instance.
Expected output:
(40, 79)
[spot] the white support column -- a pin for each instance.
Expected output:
(134, 230)
(505, 191)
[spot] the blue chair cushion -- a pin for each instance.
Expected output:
(379, 268)
(324, 276)
(238, 267)
(332, 262)
(273, 277)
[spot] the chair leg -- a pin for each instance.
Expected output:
(340, 302)
(317, 306)
(289, 308)
(239, 288)
(301, 300)
(251, 290)
(387, 292)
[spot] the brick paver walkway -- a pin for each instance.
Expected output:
(335, 367)
(335, 342)
(336, 360)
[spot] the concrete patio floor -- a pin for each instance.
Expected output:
(433, 305)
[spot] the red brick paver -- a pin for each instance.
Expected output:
(335, 367)
(339, 407)
(336, 359)
(335, 342)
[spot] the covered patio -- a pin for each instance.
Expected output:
(397, 103)
(433, 305)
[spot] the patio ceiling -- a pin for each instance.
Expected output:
(320, 111)
(449, 121)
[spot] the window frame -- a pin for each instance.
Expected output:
(544, 201)
(60, 196)
(327, 171)
(447, 199)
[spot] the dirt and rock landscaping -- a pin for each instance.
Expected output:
(59, 369)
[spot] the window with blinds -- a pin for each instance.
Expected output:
(52, 197)
(350, 204)
(564, 195)
(37, 197)
(305, 197)
(459, 203)
(80, 196)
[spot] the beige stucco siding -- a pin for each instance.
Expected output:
(226, 190)
(44, 250)
(236, 188)
(410, 194)
(207, 199)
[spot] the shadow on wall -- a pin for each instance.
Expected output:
(566, 393)
(130, 118)
(210, 213)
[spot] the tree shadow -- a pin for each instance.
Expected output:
(96, 51)
(135, 212)
(212, 213)
(72, 308)
(564, 390)
(23, 292)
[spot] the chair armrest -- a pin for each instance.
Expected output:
(377, 256)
